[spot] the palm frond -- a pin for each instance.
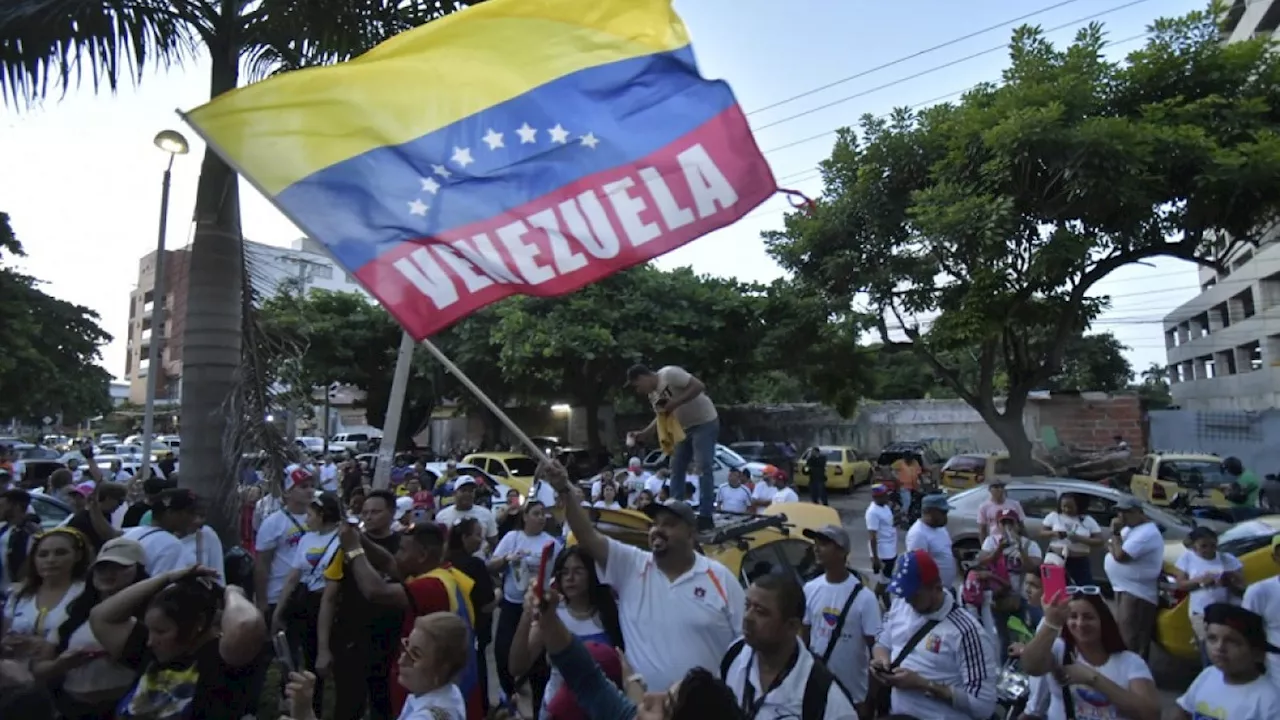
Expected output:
(284, 35)
(47, 43)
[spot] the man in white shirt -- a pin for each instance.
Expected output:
(1134, 564)
(882, 533)
(842, 618)
(772, 673)
(464, 506)
(782, 490)
(329, 475)
(733, 497)
(635, 480)
(996, 503)
(172, 516)
(940, 662)
(929, 533)
(672, 390)
(678, 609)
(1263, 598)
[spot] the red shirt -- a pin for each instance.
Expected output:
(426, 595)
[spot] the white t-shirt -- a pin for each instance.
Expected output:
(733, 499)
(100, 673)
(1263, 598)
(25, 617)
(445, 703)
(164, 550)
(1195, 566)
(587, 630)
(1012, 559)
(451, 515)
(824, 601)
(312, 555)
(786, 701)
(1211, 698)
(1074, 527)
(527, 552)
(785, 495)
(280, 533)
(206, 548)
(1121, 669)
(764, 492)
(879, 519)
(672, 380)
(671, 627)
(615, 505)
(1140, 576)
(937, 542)
(540, 491)
(634, 483)
(329, 477)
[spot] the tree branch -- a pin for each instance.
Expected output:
(948, 376)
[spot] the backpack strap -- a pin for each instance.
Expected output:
(817, 689)
(839, 626)
(730, 655)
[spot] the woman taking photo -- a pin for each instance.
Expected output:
(193, 650)
(55, 573)
(517, 556)
(1086, 667)
(588, 610)
(1072, 535)
(88, 683)
(465, 538)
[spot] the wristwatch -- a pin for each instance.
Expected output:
(355, 553)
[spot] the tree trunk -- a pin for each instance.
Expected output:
(591, 409)
(1009, 428)
(212, 341)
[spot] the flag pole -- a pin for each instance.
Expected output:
(480, 395)
(395, 409)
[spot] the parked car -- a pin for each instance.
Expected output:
(492, 493)
(1250, 542)
(512, 469)
(768, 453)
(51, 511)
(316, 445)
(353, 442)
(922, 453)
(580, 462)
(1163, 475)
(846, 468)
(1039, 497)
(967, 470)
(725, 460)
(133, 466)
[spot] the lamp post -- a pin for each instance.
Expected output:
(173, 143)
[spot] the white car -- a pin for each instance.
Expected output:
(316, 445)
(726, 460)
(129, 465)
(498, 491)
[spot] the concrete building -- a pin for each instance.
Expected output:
(1223, 346)
(303, 263)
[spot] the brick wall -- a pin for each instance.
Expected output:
(1091, 421)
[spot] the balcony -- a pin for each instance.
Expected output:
(143, 368)
(146, 337)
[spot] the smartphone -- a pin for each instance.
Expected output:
(1054, 579)
(547, 551)
(283, 655)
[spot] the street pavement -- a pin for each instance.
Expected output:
(1172, 676)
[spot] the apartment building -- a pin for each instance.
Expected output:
(303, 263)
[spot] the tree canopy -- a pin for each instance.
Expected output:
(997, 215)
(49, 363)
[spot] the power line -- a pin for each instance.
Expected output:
(912, 56)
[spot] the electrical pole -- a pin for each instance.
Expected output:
(395, 408)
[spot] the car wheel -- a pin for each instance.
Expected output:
(967, 552)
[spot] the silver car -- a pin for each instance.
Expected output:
(1039, 497)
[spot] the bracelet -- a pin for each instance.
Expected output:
(1051, 626)
(355, 553)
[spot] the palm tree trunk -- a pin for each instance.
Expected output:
(211, 354)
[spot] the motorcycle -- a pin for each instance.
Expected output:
(1181, 504)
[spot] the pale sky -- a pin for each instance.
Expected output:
(82, 178)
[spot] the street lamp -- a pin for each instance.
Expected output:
(173, 143)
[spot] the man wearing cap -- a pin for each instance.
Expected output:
(1134, 565)
(94, 522)
(1236, 686)
(277, 538)
(678, 609)
(673, 390)
(172, 517)
(464, 506)
(1263, 598)
(929, 533)
(842, 618)
(882, 533)
(989, 511)
(635, 480)
(935, 655)
(152, 488)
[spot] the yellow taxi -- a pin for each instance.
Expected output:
(1163, 475)
(846, 469)
(968, 470)
(514, 470)
(749, 545)
(1250, 542)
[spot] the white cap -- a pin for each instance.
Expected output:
(403, 505)
(634, 462)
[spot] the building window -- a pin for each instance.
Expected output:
(323, 272)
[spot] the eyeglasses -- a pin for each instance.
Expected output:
(1075, 590)
(414, 655)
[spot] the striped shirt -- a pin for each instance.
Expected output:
(957, 652)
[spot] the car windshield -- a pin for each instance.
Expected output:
(1194, 472)
(729, 457)
(1247, 529)
(521, 466)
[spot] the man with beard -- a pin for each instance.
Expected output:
(679, 609)
(773, 674)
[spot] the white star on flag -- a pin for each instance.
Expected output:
(462, 156)
(441, 170)
(430, 185)
(590, 140)
(417, 207)
(493, 139)
(559, 134)
(527, 134)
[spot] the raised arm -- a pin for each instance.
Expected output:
(591, 540)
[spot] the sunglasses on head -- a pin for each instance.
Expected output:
(1081, 590)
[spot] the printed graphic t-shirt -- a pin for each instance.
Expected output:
(1121, 668)
(1211, 698)
(200, 686)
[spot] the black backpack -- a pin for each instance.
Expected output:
(816, 689)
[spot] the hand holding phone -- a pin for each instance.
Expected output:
(280, 643)
(1054, 580)
(547, 551)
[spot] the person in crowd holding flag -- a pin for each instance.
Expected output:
(673, 392)
(842, 618)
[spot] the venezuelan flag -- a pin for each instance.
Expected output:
(519, 146)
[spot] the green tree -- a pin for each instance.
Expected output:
(1093, 362)
(1154, 388)
(1001, 212)
(49, 362)
(52, 42)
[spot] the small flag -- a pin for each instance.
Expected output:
(516, 147)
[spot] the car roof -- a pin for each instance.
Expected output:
(439, 467)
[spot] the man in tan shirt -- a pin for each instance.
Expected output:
(673, 390)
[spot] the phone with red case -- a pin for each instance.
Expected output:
(1054, 579)
(548, 551)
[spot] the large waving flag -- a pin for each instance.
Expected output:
(519, 146)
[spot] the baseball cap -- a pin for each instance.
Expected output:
(830, 533)
(296, 476)
(327, 503)
(637, 371)
(156, 485)
(879, 489)
(564, 706)
(1008, 514)
(916, 570)
(1128, 503)
(403, 505)
(678, 508)
(176, 499)
(937, 501)
(996, 482)
(1246, 622)
(634, 462)
(122, 551)
(463, 481)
